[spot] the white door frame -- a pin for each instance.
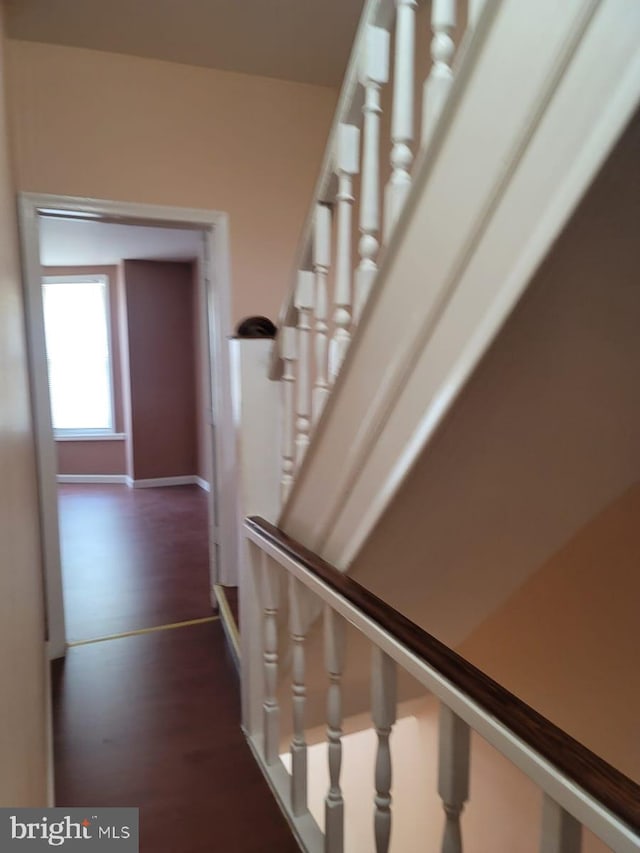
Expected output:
(215, 226)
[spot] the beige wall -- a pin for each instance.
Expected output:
(567, 641)
(22, 669)
(111, 126)
(541, 439)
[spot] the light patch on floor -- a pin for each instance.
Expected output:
(168, 627)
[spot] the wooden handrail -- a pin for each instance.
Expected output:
(615, 791)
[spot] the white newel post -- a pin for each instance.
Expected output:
(298, 621)
(321, 264)
(438, 83)
(288, 352)
(561, 833)
(257, 409)
(334, 638)
(374, 73)
(347, 164)
(453, 775)
(270, 600)
(304, 304)
(401, 115)
(383, 712)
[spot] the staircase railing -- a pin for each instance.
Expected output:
(578, 788)
(333, 281)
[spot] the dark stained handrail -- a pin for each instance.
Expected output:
(615, 791)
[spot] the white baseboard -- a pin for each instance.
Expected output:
(125, 480)
(187, 480)
(228, 624)
(93, 478)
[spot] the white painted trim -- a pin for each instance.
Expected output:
(86, 436)
(304, 828)
(46, 457)
(348, 110)
(215, 226)
(229, 625)
(564, 791)
(51, 776)
(256, 401)
(488, 230)
(204, 485)
(155, 482)
(120, 479)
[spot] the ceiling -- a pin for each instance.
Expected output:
(303, 40)
(75, 242)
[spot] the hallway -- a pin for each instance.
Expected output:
(153, 720)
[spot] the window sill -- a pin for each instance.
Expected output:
(91, 436)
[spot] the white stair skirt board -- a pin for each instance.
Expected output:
(154, 482)
(120, 479)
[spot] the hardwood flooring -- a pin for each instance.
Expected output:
(132, 558)
(153, 721)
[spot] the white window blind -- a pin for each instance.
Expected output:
(76, 320)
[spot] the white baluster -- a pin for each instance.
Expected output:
(347, 164)
(288, 351)
(402, 114)
(474, 11)
(375, 72)
(438, 83)
(561, 833)
(334, 638)
(453, 775)
(298, 621)
(321, 264)
(383, 712)
(304, 304)
(270, 600)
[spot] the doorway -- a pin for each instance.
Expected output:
(181, 237)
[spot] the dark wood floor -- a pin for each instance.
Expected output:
(132, 558)
(153, 721)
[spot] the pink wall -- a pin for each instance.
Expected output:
(203, 377)
(110, 457)
(92, 123)
(91, 457)
(159, 299)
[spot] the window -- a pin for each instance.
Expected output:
(76, 322)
